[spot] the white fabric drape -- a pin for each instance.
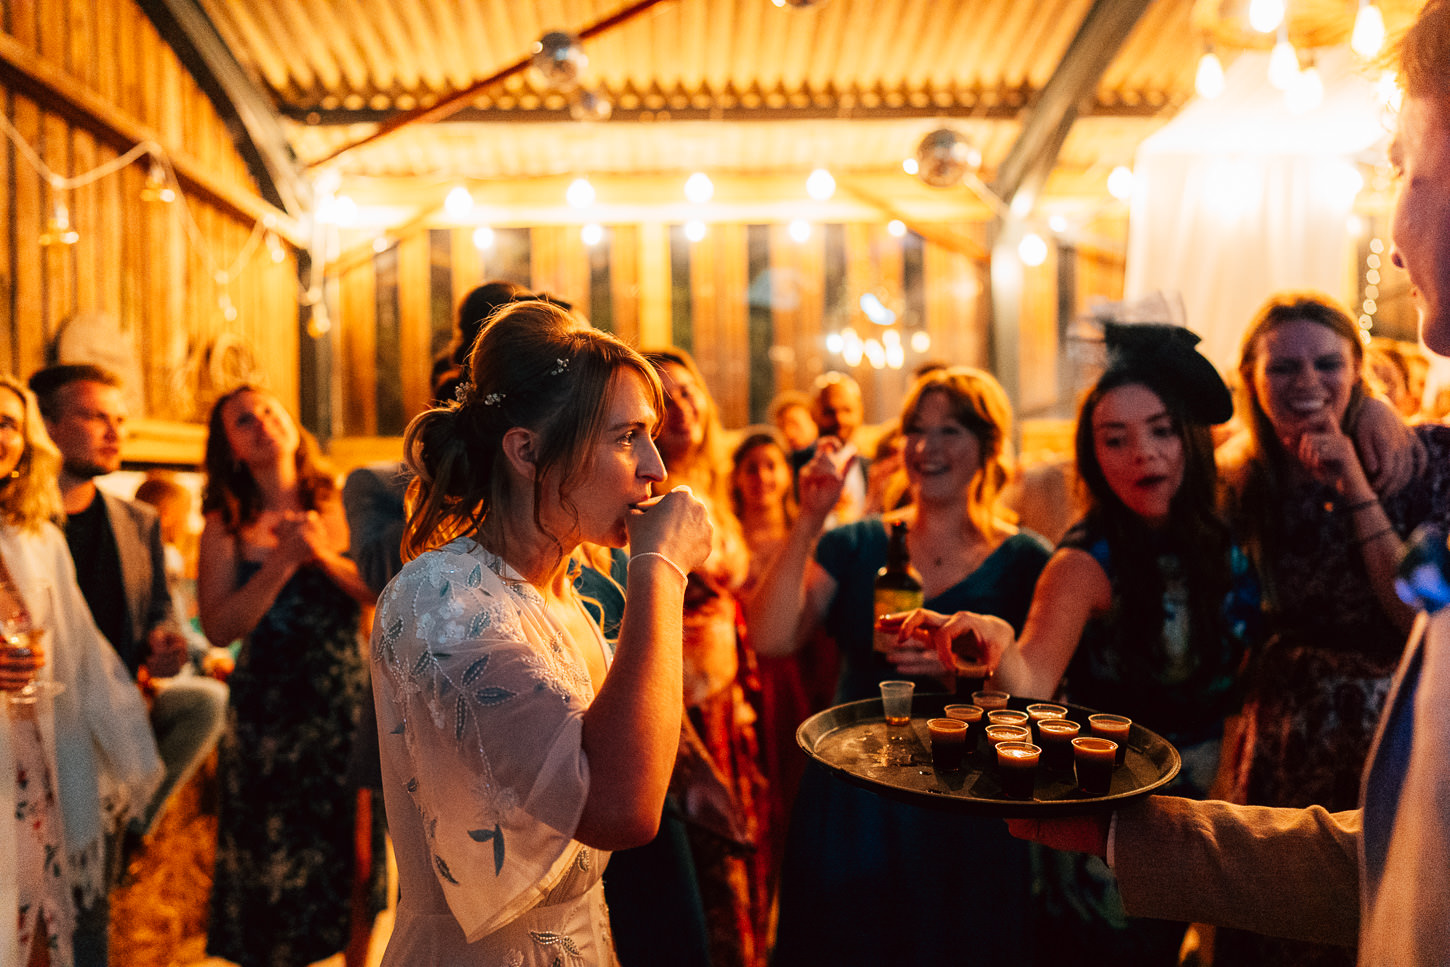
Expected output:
(1238, 197)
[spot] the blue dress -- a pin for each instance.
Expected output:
(873, 881)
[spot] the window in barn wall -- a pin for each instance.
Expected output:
(388, 395)
(913, 284)
(441, 297)
(511, 259)
(762, 323)
(682, 330)
(838, 311)
(601, 290)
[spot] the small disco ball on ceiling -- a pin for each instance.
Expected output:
(590, 106)
(944, 157)
(559, 59)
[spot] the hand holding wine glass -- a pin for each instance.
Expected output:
(21, 658)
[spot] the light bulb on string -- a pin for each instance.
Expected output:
(1283, 63)
(458, 203)
(1208, 81)
(1120, 183)
(695, 230)
(1266, 16)
(483, 238)
(820, 185)
(157, 187)
(800, 231)
(1032, 250)
(699, 188)
(275, 249)
(58, 229)
(1307, 91)
(896, 228)
(1369, 30)
(580, 193)
(591, 234)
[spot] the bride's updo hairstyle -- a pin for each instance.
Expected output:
(533, 366)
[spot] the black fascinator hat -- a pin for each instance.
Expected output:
(1163, 358)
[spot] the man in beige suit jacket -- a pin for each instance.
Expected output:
(1374, 876)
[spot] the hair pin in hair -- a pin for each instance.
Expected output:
(460, 392)
(493, 399)
(559, 366)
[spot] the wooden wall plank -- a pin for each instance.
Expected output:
(1037, 339)
(624, 281)
(732, 284)
(415, 322)
(356, 308)
(9, 351)
(31, 324)
(654, 284)
(23, 15)
(86, 217)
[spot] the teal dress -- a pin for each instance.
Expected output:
(873, 881)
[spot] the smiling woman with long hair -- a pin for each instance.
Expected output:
(1327, 548)
(848, 851)
(59, 748)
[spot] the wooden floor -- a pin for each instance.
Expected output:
(159, 918)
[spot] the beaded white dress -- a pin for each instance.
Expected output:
(480, 721)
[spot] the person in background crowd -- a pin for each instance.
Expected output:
(512, 761)
(837, 409)
(854, 884)
(1368, 878)
(762, 496)
(58, 750)
(790, 414)
(273, 572)
(720, 781)
(121, 567)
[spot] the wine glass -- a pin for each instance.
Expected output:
(22, 637)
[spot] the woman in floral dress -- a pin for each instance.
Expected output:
(517, 750)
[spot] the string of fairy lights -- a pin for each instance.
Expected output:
(161, 187)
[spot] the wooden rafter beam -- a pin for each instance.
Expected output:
(247, 111)
(1072, 85)
(30, 76)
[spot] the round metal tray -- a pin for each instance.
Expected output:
(854, 742)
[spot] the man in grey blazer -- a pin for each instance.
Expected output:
(1373, 877)
(120, 566)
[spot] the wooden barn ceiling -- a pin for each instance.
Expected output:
(739, 87)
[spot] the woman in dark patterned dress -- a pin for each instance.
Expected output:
(272, 573)
(1326, 547)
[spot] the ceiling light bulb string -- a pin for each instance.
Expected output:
(61, 183)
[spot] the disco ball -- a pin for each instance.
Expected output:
(559, 59)
(944, 156)
(590, 106)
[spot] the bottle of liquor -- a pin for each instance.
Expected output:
(897, 587)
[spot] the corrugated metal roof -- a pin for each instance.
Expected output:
(740, 85)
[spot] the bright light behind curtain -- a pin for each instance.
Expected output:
(1237, 197)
